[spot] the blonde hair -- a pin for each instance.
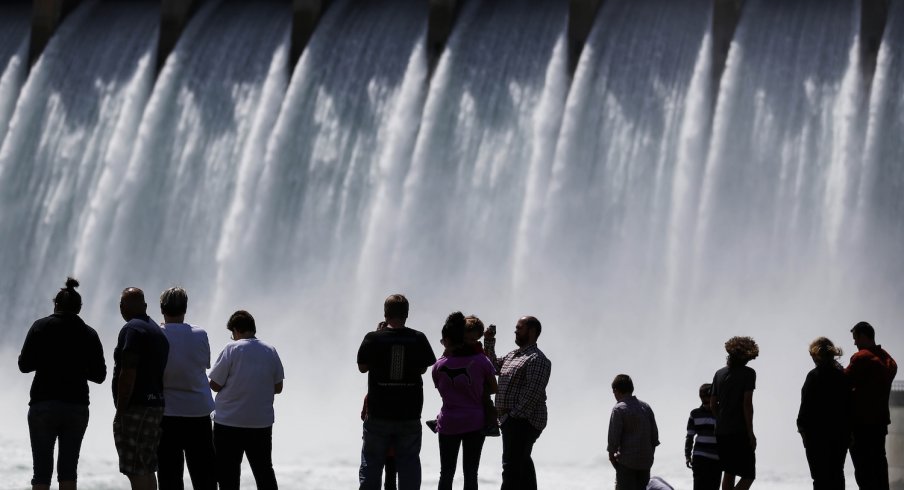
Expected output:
(824, 349)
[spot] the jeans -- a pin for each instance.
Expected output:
(868, 456)
(518, 438)
(472, 442)
(630, 479)
(51, 420)
(707, 473)
(230, 443)
(380, 435)
(186, 440)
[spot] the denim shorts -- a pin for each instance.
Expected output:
(136, 432)
(53, 420)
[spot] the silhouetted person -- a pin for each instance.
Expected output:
(521, 401)
(462, 377)
(474, 330)
(247, 376)
(824, 417)
(700, 451)
(394, 358)
(633, 437)
(871, 372)
(732, 404)
(64, 353)
(139, 361)
(187, 435)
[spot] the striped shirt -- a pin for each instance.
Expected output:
(523, 376)
(701, 424)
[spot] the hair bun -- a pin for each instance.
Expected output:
(71, 283)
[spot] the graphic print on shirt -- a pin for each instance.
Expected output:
(453, 373)
(397, 363)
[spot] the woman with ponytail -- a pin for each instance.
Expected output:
(64, 353)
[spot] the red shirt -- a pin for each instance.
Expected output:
(871, 372)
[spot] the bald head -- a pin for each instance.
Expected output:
(132, 304)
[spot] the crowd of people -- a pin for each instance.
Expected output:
(167, 418)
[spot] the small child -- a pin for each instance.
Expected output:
(701, 455)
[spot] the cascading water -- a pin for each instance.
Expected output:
(71, 130)
(642, 232)
(13, 58)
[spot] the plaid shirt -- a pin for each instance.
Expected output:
(523, 376)
(633, 434)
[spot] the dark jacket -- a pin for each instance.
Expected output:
(825, 403)
(65, 354)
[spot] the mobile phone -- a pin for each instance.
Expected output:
(492, 329)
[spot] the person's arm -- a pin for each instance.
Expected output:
(489, 349)
(491, 386)
(96, 370)
(804, 413)
(748, 416)
(219, 373)
(277, 388)
(30, 356)
(614, 436)
(714, 405)
(689, 440)
(536, 377)
(215, 387)
(126, 383)
(654, 431)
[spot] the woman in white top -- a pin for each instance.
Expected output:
(186, 434)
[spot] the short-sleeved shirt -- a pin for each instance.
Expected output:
(65, 354)
(143, 338)
(185, 385)
(729, 385)
(248, 370)
(462, 381)
(396, 359)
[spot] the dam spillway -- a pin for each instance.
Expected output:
(642, 207)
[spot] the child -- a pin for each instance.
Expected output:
(701, 455)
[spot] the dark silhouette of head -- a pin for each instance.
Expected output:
(864, 335)
(174, 302)
(241, 322)
(622, 385)
(824, 351)
(395, 307)
(68, 300)
(454, 330)
(741, 350)
(132, 304)
(706, 390)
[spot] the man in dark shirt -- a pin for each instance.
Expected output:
(732, 404)
(633, 437)
(139, 361)
(394, 359)
(871, 372)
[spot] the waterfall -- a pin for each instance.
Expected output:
(71, 129)
(642, 213)
(14, 23)
(202, 135)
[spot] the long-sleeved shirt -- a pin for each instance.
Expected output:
(65, 354)
(523, 376)
(701, 425)
(871, 372)
(633, 435)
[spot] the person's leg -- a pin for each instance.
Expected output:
(448, 459)
(170, 462)
(74, 423)
(472, 446)
(228, 448)
(707, 474)
(407, 444)
(869, 458)
(143, 482)
(374, 444)
(42, 432)
(199, 455)
(518, 438)
(391, 479)
(260, 457)
(728, 481)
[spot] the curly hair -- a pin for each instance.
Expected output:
(741, 350)
(824, 350)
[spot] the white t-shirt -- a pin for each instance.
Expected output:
(186, 391)
(248, 370)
